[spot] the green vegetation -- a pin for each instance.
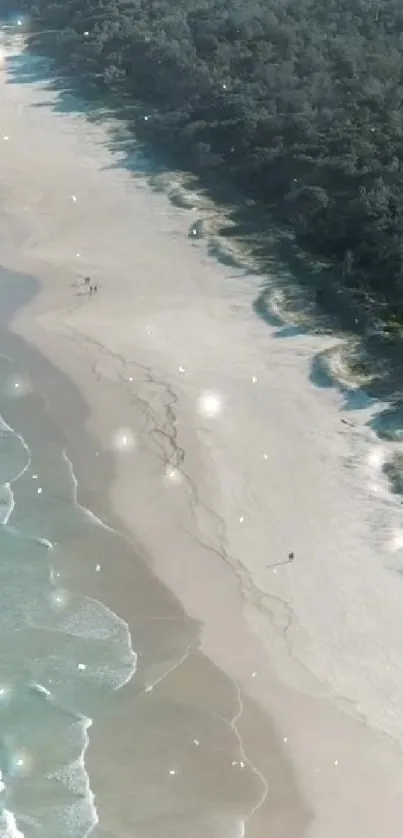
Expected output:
(297, 102)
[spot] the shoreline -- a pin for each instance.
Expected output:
(319, 738)
(79, 342)
(251, 726)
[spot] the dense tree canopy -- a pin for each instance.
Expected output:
(300, 102)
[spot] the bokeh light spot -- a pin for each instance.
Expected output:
(16, 386)
(123, 440)
(209, 404)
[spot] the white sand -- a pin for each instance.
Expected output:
(274, 471)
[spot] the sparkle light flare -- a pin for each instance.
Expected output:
(123, 440)
(376, 457)
(16, 386)
(5, 693)
(209, 404)
(172, 476)
(59, 599)
(396, 541)
(21, 763)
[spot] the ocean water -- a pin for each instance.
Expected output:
(62, 655)
(78, 753)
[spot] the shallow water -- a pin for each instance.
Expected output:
(62, 654)
(165, 755)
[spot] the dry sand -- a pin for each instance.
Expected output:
(215, 500)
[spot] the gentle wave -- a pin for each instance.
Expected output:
(87, 512)
(8, 826)
(8, 495)
(75, 777)
(66, 619)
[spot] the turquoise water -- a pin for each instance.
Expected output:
(62, 655)
(79, 754)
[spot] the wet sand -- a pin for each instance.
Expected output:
(193, 499)
(181, 749)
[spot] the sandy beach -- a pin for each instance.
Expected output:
(226, 456)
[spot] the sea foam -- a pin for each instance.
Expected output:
(69, 619)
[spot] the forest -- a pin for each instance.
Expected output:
(299, 103)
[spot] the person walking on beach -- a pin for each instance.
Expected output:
(290, 558)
